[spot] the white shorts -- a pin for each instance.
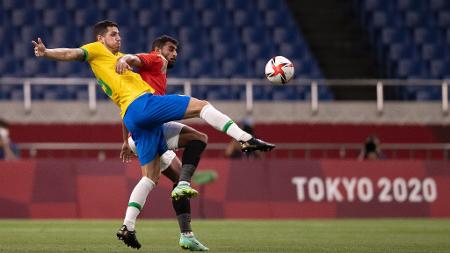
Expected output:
(171, 134)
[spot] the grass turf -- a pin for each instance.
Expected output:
(361, 235)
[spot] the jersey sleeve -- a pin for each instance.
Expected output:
(90, 51)
(151, 62)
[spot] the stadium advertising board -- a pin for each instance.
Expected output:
(244, 189)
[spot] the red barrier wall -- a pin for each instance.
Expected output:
(245, 189)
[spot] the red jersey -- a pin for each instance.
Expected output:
(153, 71)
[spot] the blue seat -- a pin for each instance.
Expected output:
(282, 35)
(42, 5)
(149, 18)
(226, 50)
(7, 66)
(201, 68)
(222, 35)
(168, 5)
(106, 5)
(21, 17)
(22, 50)
(414, 19)
(143, 5)
(193, 50)
(239, 4)
(54, 17)
(87, 17)
(436, 5)
(34, 67)
(212, 18)
(439, 68)
(73, 5)
(66, 36)
(293, 51)
(179, 18)
(200, 5)
(263, 5)
(393, 35)
(232, 68)
(68, 69)
(425, 35)
(381, 19)
(274, 18)
(124, 17)
(246, 18)
(373, 5)
(14, 4)
(398, 51)
(432, 51)
(260, 50)
(190, 35)
(250, 35)
(410, 69)
(406, 5)
(443, 19)
(29, 33)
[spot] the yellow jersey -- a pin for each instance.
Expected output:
(121, 88)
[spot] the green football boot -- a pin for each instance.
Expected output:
(183, 190)
(191, 243)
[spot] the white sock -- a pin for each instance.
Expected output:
(137, 201)
(184, 183)
(223, 123)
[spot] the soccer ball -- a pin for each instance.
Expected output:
(279, 70)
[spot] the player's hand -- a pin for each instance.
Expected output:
(39, 48)
(126, 153)
(122, 66)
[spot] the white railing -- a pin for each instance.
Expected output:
(324, 148)
(248, 83)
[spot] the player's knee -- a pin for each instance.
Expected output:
(202, 137)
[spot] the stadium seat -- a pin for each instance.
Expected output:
(87, 17)
(414, 19)
(398, 51)
(214, 19)
(410, 69)
(106, 5)
(239, 4)
(21, 17)
(54, 17)
(277, 18)
(200, 5)
(222, 35)
(431, 51)
(41, 5)
(439, 69)
(407, 5)
(293, 51)
(264, 5)
(260, 50)
(73, 5)
(124, 17)
(227, 50)
(250, 35)
(425, 35)
(179, 18)
(393, 35)
(443, 19)
(234, 68)
(188, 35)
(243, 18)
(13, 4)
(436, 5)
(281, 35)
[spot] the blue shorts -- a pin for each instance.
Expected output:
(144, 118)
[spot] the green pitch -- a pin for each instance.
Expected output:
(376, 235)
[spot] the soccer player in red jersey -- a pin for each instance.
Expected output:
(153, 69)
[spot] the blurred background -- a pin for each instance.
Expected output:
(370, 84)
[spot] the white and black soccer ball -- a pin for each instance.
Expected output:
(279, 70)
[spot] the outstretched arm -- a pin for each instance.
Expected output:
(128, 61)
(59, 54)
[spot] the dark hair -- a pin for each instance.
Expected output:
(3, 123)
(102, 27)
(162, 40)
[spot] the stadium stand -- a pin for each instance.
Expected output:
(410, 38)
(218, 38)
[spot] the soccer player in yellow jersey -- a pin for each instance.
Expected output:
(142, 112)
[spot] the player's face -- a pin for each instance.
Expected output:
(111, 39)
(169, 51)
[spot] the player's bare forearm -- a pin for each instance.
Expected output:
(59, 54)
(132, 60)
(64, 54)
(124, 133)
